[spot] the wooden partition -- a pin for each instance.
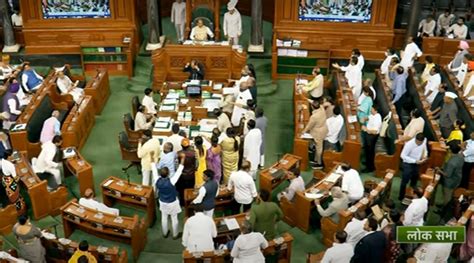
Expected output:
(301, 113)
(65, 36)
(391, 159)
(9, 218)
(77, 166)
(220, 62)
(99, 89)
(335, 38)
(442, 49)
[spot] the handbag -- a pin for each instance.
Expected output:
(385, 123)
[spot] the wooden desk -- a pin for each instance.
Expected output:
(78, 124)
(351, 149)
(384, 161)
(61, 253)
(9, 217)
(99, 89)
(329, 227)
(301, 115)
(81, 169)
(273, 176)
(220, 62)
(130, 231)
(43, 203)
(143, 197)
(224, 201)
(298, 212)
(432, 129)
(214, 257)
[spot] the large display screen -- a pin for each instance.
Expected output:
(76, 9)
(357, 11)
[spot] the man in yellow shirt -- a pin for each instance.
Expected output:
(83, 250)
(315, 87)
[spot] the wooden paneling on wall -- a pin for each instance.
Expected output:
(60, 36)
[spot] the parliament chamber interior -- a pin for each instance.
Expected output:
(237, 131)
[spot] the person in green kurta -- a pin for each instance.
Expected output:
(264, 215)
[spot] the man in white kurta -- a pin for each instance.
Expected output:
(66, 86)
(459, 30)
(178, 18)
(389, 55)
(148, 102)
(45, 161)
(444, 21)
(351, 183)
(148, 152)
(232, 23)
(431, 88)
(427, 26)
(248, 246)
(199, 231)
(89, 202)
(240, 103)
(409, 54)
(353, 75)
(252, 143)
(416, 210)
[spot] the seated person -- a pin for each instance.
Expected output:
(458, 30)
(142, 121)
(339, 202)
(89, 202)
(45, 163)
(51, 127)
(201, 32)
(82, 252)
(66, 86)
(195, 70)
(11, 105)
(296, 185)
(30, 80)
(351, 182)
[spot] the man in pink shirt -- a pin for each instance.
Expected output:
(51, 127)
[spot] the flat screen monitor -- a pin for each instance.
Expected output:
(57, 9)
(355, 11)
(193, 90)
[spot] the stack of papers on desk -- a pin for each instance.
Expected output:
(313, 196)
(227, 91)
(302, 81)
(306, 136)
(184, 116)
(218, 86)
(172, 95)
(206, 95)
(332, 178)
(211, 104)
(207, 125)
(231, 223)
(216, 96)
(19, 127)
(168, 107)
(69, 152)
(224, 43)
(170, 101)
(164, 119)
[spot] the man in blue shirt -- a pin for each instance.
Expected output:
(399, 82)
(168, 158)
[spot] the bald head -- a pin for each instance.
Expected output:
(55, 114)
(167, 147)
(245, 165)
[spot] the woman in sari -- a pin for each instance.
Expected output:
(201, 158)
(10, 181)
(28, 237)
(230, 154)
(213, 158)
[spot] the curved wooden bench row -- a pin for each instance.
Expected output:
(301, 113)
(391, 159)
(329, 227)
(9, 218)
(130, 230)
(61, 253)
(351, 149)
(99, 89)
(432, 130)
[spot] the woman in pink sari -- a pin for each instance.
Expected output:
(467, 249)
(213, 159)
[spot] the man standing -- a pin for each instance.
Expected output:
(468, 154)
(241, 182)
(452, 176)
(261, 124)
(178, 18)
(355, 228)
(207, 193)
(372, 131)
(264, 215)
(190, 165)
(334, 124)
(399, 81)
(252, 143)
(353, 74)
(389, 55)
(148, 151)
(370, 249)
(315, 87)
(175, 139)
(168, 158)
(199, 231)
(296, 185)
(45, 161)
(413, 154)
(444, 21)
(431, 88)
(351, 182)
(240, 104)
(51, 127)
(248, 246)
(148, 101)
(415, 126)
(427, 26)
(415, 212)
(410, 54)
(232, 23)
(318, 129)
(223, 121)
(448, 114)
(341, 251)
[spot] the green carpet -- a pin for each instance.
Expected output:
(102, 151)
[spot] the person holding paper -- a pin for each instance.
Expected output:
(318, 129)
(199, 231)
(89, 202)
(414, 153)
(66, 86)
(264, 215)
(339, 202)
(168, 196)
(248, 246)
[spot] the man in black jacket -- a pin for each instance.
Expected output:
(371, 247)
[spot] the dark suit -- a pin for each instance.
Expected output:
(370, 248)
(194, 73)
